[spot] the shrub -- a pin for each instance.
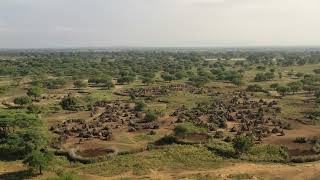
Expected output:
(316, 148)
(150, 117)
(21, 101)
(300, 140)
(80, 84)
(69, 103)
(220, 147)
(187, 128)
(242, 144)
(34, 92)
(140, 105)
(166, 140)
(303, 159)
(267, 153)
(255, 88)
(36, 109)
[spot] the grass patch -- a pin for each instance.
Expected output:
(220, 147)
(170, 157)
(266, 153)
(145, 137)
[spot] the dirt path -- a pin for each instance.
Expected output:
(256, 171)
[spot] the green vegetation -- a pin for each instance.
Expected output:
(160, 111)
(170, 157)
(266, 153)
(187, 129)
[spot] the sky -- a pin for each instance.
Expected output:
(158, 23)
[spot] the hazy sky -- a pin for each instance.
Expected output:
(104, 23)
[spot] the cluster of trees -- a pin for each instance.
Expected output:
(33, 93)
(50, 83)
(264, 76)
(234, 77)
(105, 81)
(21, 137)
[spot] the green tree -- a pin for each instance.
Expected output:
(69, 103)
(242, 144)
(283, 90)
(147, 80)
(22, 101)
(126, 79)
(168, 77)
(34, 92)
(295, 86)
(37, 160)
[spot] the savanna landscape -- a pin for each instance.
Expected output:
(160, 114)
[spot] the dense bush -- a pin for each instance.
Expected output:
(140, 105)
(266, 153)
(221, 148)
(255, 88)
(22, 101)
(242, 144)
(300, 140)
(150, 117)
(69, 103)
(187, 128)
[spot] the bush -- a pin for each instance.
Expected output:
(303, 159)
(221, 148)
(21, 101)
(242, 144)
(80, 84)
(187, 128)
(166, 140)
(34, 92)
(255, 88)
(69, 103)
(140, 105)
(150, 117)
(35, 109)
(300, 140)
(267, 153)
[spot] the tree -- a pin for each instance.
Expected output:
(147, 80)
(167, 77)
(238, 81)
(242, 144)
(199, 81)
(102, 81)
(34, 92)
(80, 84)
(22, 101)
(283, 90)
(126, 79)
(295, 86)
(37, 160)
(255, 88)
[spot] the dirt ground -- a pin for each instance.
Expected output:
(254, 171)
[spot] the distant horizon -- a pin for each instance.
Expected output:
(168, 47)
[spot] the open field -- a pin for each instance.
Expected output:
(160, 116)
